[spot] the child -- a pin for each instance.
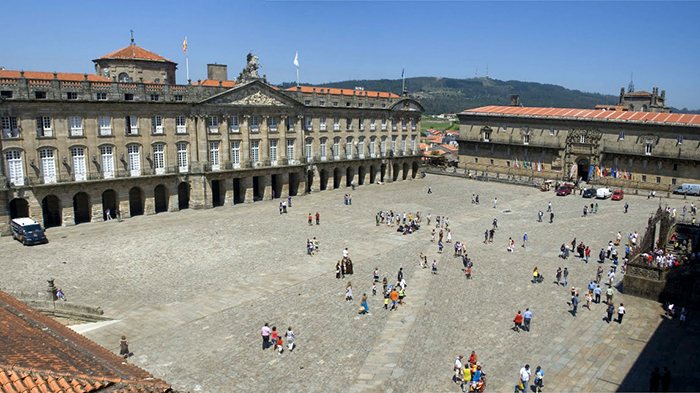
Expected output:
(374, 289)
(60, 295)
(469, 273)
(279, 345)
(124, 347)
(432, 236)
(274, 336)
(434, 266)
(386, 301)
(439, 247)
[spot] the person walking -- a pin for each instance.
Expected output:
(539, 379)
(348, 292)
(524, 379)
(365, 307)
(430, 190)
(265, 333)
(290, 339)
(609, 293)
(589, 299)
(318, 219)
(610, 311)
(565, 274)
(539, 216)
(524, 240)
(518, 321)
(549, 207)
(551, 217)
(527, 318)
(621, 313)
(574, 304)
(558, 275)
(597, 291)
(124, 347)
(458, 369)
(495, 202)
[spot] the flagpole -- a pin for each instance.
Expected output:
(297, 76)
(187, 60)
(403, 80)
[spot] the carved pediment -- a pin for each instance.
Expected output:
(255, 95)
(409, 105)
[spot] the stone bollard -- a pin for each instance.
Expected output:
(51, 291)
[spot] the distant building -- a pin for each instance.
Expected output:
(643, 101)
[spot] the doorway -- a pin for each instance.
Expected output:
(583, 168)
(135, 202)
(109, 203)
(216, 193)
(81, 208)
(19, 207)
(51, 207)
(161, 199)
(183, 196)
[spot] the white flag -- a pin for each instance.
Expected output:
(296, 59)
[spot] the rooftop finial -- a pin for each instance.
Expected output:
(630, 88)
(132, 37)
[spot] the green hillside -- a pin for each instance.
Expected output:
(448, 95)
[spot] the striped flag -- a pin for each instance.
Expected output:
(184, 45)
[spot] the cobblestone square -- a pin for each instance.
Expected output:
(191, 290)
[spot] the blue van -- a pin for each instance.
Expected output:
(28, 231)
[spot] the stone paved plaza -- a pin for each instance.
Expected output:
(192, 289)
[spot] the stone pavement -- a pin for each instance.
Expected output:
(192, 289)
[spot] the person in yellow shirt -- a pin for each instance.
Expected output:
(467, 378)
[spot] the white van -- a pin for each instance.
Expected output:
(688, 189)
(603, 193)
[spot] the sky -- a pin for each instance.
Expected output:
(591, 46)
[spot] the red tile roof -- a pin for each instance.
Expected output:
(638, 94)
(347, 92)
(38, 354)
(214, 83)
(64, 76)
(134, 52)
(680, 119)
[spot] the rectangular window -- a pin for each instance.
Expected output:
(105, 124)
(101, 96)
(526, 139)
(675, 167)
(72, 95)
(336, 124)
(348, 124)
(132, 125)
(213, 124)
(335, 103)
(155, 97)
(413, 144)
(649, 147)
(107, 155)
(159, 158)
(181, 124)
(214, 156)
(348, 149)
(272, 122)
(362, 124)
(382, 147)
(290, 149)
(403, 124)
(393, 144)
(372, 146)
(658, 180)
(182, 160)
(254, 125)
(476, 160)
(40, 95)
(48, 165)
(134, 160)
(384, 124)
(336, 148)
(551, 130)
(321, 103)
(309, 150)
(15, 172)
(6, 94)
(9, 127)
(393, 124)
(413, 124)
(75, 124)
(622, 136)
(322, 149)
(236, 154)
(582, 139)
(372, 126)
(679, 139)
(290, 124)
(673, 181)
(234, 124)
(255, 151)
(43, 127)
(322, 123)
(157, 125)
(307, 102)
(178, 97)
(644, 178)
(487, 136)
(273, 151)
(361, 148)
(128, 97)
(508, 163)
(307, 123)
(403, 144)
(79, 167)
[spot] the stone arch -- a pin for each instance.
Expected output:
(337, 175)
(81, 208)
(109, 204)
(416, 168)
(19, 207)
(583, 168)
(382, 173)
(323, 177)
(372, 174)
(309, 180)
(349, 176)
(51, 208)
(136, 202)
(183, 195)
(361, 173)
(404, 172)
(160, 198)
(395, 172)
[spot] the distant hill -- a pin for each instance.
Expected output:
(448, 95)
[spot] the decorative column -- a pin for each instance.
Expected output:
(247, 188)
(245, 143)
(264, 141)
(282, 130)
(67, 215)
(96, 211)
(149, 201)
(316, 185)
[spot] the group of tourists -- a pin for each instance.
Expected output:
(311, 246)
(468, 374)
(272, 338)
(284, 204)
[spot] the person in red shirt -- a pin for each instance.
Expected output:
(518, 321)
(472, 359)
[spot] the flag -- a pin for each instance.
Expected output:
(184, 45)
(296, 59)
(403, 72)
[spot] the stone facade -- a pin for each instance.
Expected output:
(643, 101)
(74, 149)
(658, 155)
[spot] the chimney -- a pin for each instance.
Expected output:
(217, 72)
(514, 100)
(622, 94)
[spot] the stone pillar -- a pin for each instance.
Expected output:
(173, 201)
(356, 175)
(316, 185)
(67, 214)
(226, 186)
(365, 177)
(97, 212)
(124, 208)
(302, 183)
(343, 176)
(247, 188)
(200, 192)
(149, 201)
(284, 178)
(264, 141)
(267, 186)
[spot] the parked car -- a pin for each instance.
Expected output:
(617, 195)
(688, 189)
(603, 193)
(589, 193)
(563, 191)
(27, 231)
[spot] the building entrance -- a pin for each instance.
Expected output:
(583, 167)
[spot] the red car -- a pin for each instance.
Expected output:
(617, 195)
(563, 191)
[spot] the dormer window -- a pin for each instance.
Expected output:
(487, 135)
(582, 139)
(649, 147)
(679, 139)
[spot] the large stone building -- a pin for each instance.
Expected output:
(638, 150)
(77, 146)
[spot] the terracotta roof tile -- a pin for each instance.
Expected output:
(63, 76)
(592, 114)
(39, 354)
(638, 94)
(134, 52)
(347, 92)
(214, 83)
